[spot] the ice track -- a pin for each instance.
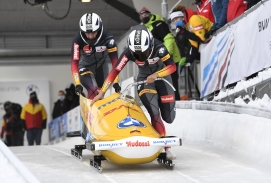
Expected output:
(217, 147)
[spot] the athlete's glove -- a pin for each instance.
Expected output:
(78, 89)
(117, 87)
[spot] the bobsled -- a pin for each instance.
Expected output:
(116, 129)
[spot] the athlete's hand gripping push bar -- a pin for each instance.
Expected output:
(127, 89)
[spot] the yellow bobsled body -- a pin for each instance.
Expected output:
(119, 130)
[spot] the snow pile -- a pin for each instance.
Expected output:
(265, 102)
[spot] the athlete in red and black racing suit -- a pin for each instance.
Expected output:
(156, 95)
(89, 63)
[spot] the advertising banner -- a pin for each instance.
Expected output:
(239, 51)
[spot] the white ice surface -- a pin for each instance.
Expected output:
(8, 174)
(207, 154)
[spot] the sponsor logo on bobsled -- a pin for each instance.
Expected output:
(163, 141)
(137, 144)
(114, 100)
(89, 117)
(128, 122)
(110, 144)
(117, 108)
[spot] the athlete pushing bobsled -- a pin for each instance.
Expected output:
(153, 62)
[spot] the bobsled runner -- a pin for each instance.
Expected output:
(116, 129)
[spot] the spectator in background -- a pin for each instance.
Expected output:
(61, 105)
(251, 3)
(192, 27)
(160, 30)
(6, 132)
(12, 125)
(204, 9)
(235, 9)
(219, 8)
(18, 126)
(35, 117)
(71, 98)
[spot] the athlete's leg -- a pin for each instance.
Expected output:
(166, 100)
(101, 74)
(167, 106)
(149, 97)
(88, 80)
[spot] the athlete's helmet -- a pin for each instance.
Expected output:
(89, 23)
(140, 43)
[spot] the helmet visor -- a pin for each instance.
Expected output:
(142, 56)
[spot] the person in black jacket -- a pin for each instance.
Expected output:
(61, 105)
(18, 125)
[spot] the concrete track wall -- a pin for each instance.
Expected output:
(242, 136)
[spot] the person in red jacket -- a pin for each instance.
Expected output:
(204, 9)
(35, 117)
(235, 9)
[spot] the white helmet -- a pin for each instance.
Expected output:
(91, 22)
(140, 43)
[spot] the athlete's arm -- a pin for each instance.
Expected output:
(168, 61)
(74, 62)
(112, 52)
(122, 61)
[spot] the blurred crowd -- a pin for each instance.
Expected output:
(32, 117)
(193, 28)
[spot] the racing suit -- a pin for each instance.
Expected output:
(154, 96)
(89, 63)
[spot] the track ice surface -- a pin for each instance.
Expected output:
(54, 163)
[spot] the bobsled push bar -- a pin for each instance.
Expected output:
(127, 89)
